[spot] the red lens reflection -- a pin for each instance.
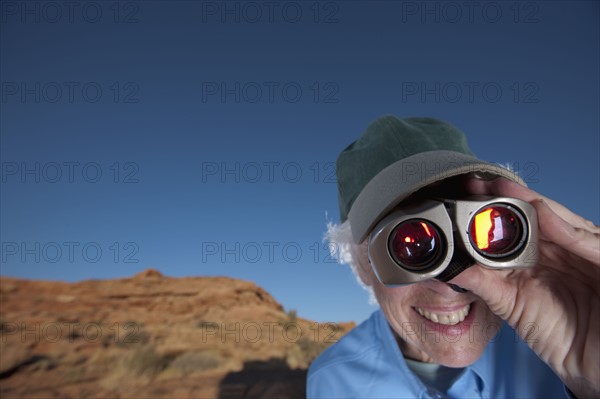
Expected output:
(415, 244)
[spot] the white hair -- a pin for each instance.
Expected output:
(345, 251)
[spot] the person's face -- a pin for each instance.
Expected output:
(436, 324)
(433, 322)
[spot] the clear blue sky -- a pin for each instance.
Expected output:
(198, 137)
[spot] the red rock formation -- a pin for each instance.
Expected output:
(153, 336)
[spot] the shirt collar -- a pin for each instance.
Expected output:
(485, 367)
(385, 333)
(482, 370)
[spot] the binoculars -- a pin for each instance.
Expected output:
(440, 238)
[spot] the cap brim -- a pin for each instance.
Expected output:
(402, 178)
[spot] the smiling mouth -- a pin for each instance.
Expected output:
(446, 318)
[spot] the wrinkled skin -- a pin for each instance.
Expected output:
(554, 307)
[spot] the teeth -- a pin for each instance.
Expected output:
(450, 318)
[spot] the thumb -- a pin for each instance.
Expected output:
(493, 286)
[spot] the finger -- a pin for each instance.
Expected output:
(507, 188)
(567, 266)
(576, 240)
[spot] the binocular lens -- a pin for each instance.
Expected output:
(496, 231)
(416, 244)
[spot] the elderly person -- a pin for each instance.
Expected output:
(528, 327)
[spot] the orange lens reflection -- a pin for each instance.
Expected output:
(483, 225)
(497, 231)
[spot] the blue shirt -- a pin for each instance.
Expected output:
(367, 363)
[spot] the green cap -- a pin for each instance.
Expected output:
(396, 157)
